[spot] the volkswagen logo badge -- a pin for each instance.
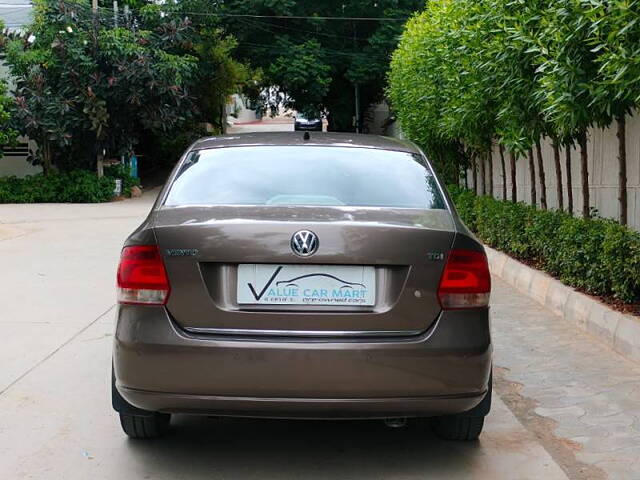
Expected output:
(304, 243)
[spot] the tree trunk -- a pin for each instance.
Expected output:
(567, 164)
(223, 114)
(483, 179)
(504, 173)
(532, 176)
(466, 179)
(514, 186)
(490, 165)
(622, 165)
(46, 157)
(543, 182)
(100, 165)
(584, 173)
(556, 161)
(474, 172)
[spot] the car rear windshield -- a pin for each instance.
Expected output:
(305, 175)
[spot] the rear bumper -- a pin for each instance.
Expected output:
(308, 408)
(160, 367)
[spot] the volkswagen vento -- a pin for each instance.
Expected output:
(303, 276)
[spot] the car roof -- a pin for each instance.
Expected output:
(329, 139)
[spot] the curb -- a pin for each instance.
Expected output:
(619, 330)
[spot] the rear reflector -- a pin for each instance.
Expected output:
(142, 278)
(465, 282)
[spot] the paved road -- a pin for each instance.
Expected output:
(280, 124)
(567, 406)
(262, 127)
(57, 293)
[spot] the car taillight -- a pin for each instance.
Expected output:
(142, 278)
(465, 282)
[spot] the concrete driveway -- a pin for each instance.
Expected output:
(57, 297)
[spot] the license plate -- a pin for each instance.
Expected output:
(306, 284)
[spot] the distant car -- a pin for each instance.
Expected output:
(291, 276)
(307, 124)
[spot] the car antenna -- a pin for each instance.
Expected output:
(306, 136)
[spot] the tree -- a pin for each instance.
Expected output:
(419, 95)
(490, 170)
(514, 191)
(615, 36)
(316, 63)
(558, 168)
(91, 85)
(541, 175)
(438, 88)
(532, 177)
(474, 173)
(504, 172)
(567, 153)
(516, 72)
(301, 74)
(567, 65)
(8, 134)
(522, 121)
(465, 72)
(219, 74)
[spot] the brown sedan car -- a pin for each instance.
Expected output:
(296, 276)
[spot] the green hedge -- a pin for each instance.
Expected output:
(78, 186)
(598, 256)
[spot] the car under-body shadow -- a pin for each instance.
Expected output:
(213, 447)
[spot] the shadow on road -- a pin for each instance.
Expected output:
(199, 447)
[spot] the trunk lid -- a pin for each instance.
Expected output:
(202, 248)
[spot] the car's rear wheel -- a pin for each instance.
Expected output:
(458, 428)
(135, 422)
(465, 426)
(153, 426)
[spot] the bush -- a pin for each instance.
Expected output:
(596, 255)
(77, 186)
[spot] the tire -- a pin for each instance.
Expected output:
(458, 428)
(465, 426)
(135, 422)
(153, 426)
